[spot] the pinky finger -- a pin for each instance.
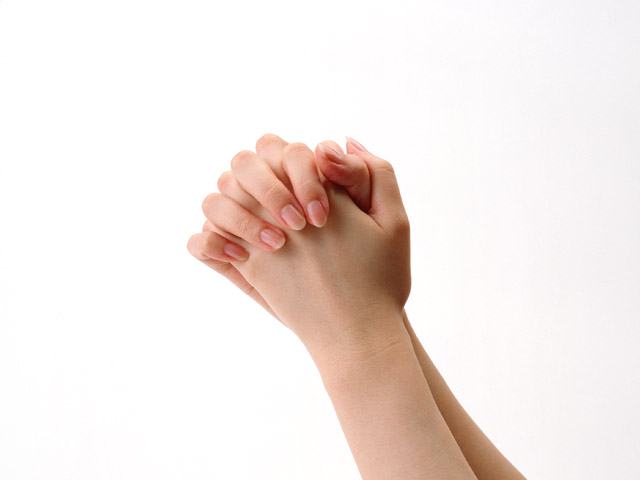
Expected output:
(210, 245)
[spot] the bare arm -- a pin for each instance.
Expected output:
(369, 381)
(388, 415)
(484, 458)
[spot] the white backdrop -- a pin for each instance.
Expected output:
(514, 128)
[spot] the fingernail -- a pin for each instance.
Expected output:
(356, 144)
(273, 238)
(316, 212)
(236, 251)
(293, 217)
(331, 153)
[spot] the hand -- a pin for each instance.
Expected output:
(351, 171)
(336, 270)
(217, 249)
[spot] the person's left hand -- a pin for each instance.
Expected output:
(346, 277)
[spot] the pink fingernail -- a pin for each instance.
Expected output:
(316, 212)
(356, 144)
(273, 238)
(293, 217)
(331, 153)
(236, 251)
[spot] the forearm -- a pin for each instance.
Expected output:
(387, 413)
(484, 458)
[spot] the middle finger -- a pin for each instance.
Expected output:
(257, 178)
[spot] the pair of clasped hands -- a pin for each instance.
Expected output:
(319, 238)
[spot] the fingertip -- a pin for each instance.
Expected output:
(194, 246)
(324, 163)
(330, 153)
(353, 146)
(349, 171)
(332, 144)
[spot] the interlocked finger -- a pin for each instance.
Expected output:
(300, 164)
(257, 178)
(269, 147)
(229, 216)
(209, 245)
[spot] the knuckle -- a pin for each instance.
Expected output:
(212, 243)
(296, 148)
(309, 187)
(247, 288)
(266, 140)
(288, 161)
(208, 243)
(386, 166)
(224, 181)
(402, 225)
(208, 204)
(244, 225)
(272, 193)
(242, 159)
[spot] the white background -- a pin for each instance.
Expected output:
(514, 128)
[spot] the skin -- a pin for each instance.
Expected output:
(322, 281)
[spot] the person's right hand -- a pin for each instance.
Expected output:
(219, 250)
(347, 278)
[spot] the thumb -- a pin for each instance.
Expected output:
(387, 208)
(347, 170)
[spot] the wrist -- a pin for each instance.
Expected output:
(360, 344)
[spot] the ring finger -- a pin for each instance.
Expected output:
(258, 179)
(227, 215)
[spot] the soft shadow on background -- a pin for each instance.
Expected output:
(513, 128)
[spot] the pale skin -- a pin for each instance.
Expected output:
(320, 239)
